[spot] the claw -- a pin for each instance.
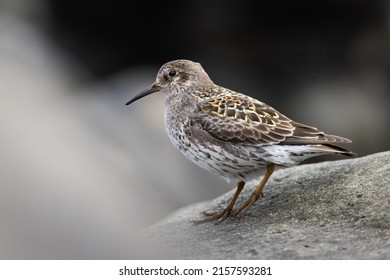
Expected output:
(247, 204)
(225, 213)
(256, 194)
(209, 214)
(219, 216)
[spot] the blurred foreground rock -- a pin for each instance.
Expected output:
(330, 210)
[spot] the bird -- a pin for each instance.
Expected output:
(231, 134)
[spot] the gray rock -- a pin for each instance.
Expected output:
(331, 210)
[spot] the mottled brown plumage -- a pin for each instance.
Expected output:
(232, 134)
(249, 121)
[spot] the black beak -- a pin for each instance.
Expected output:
(149, 90)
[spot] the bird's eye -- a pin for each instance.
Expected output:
(172, 73)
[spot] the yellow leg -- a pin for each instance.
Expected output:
(257, 193)
(225, 213)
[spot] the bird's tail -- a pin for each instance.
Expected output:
(332, 149)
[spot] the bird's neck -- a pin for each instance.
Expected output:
(179, 100)
(179, 106)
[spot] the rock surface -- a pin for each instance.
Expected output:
(331, 210)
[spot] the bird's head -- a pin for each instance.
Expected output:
(178, 76)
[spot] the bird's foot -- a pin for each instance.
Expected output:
(218, 216)
(225, 213)
(247, 204)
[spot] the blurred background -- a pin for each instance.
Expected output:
(80, 171)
